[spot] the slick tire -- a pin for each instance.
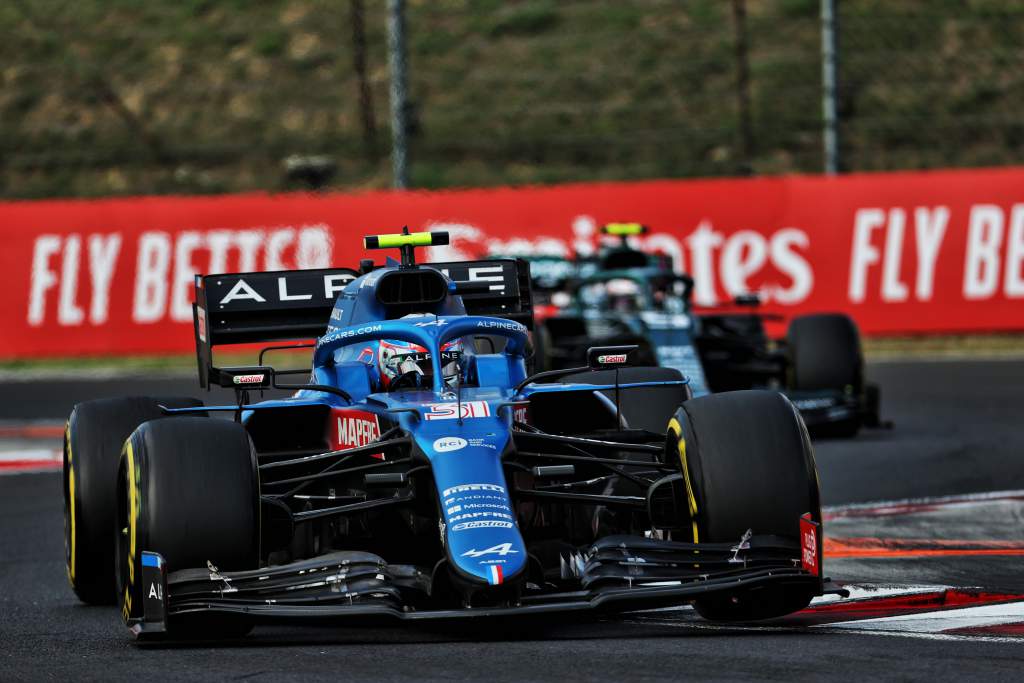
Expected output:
(748, 464)
(824, 353)
(188, 489)
(93, 438)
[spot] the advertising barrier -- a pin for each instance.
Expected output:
(926, 252)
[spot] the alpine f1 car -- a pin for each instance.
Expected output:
(421, 474)
(626, 296)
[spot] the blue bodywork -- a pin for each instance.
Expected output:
(463, 433)
(382, 485)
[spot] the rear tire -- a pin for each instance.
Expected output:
(189, 490)
(824, 352)
(748, 464)
(93, 437)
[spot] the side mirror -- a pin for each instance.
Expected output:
(607, 357)
(252, 377)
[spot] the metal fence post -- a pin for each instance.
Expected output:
(746, 132)
(399, 107)
(829, 58)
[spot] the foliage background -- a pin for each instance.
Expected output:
(115, 97)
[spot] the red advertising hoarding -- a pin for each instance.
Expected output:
(929, 252)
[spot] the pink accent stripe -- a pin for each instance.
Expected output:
(30, 460)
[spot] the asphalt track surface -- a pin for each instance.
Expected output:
(957, 431)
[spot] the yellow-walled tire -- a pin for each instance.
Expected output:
(93, 437)
(748, 464)
(825, 353)
(188, 490)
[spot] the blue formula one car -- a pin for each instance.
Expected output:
(626, 296)
(421, 474)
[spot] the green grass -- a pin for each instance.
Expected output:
(518, 91)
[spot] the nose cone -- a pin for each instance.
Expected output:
(483, 539)
(481, 535)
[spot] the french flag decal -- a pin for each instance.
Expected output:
(496, 576)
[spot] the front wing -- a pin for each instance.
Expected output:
(620, 574)
(830, 407)
(825, 407)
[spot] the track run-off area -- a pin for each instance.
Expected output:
(924, 526)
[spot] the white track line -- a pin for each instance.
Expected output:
(941, 621)
(935, 500)
(31, 461)
(953, 637)
(882, 591)
(857, 592)
(40, 455)
(923, 625)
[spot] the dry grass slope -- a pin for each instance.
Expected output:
(103, 97)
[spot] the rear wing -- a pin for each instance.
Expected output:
(498, 287)
(240, 308)
(291, 305)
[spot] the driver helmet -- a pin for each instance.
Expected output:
(395, 358)
(623, 295)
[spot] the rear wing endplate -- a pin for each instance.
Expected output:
(240, 308)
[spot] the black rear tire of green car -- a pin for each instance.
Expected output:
(748, 464)
(825, 353)
(93, 437)
(188, 490)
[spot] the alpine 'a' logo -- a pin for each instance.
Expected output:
(242, 291)
(501, 549)
(287, 288)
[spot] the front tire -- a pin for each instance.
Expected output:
(93, 437)
(189, 490)
(748, 464)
